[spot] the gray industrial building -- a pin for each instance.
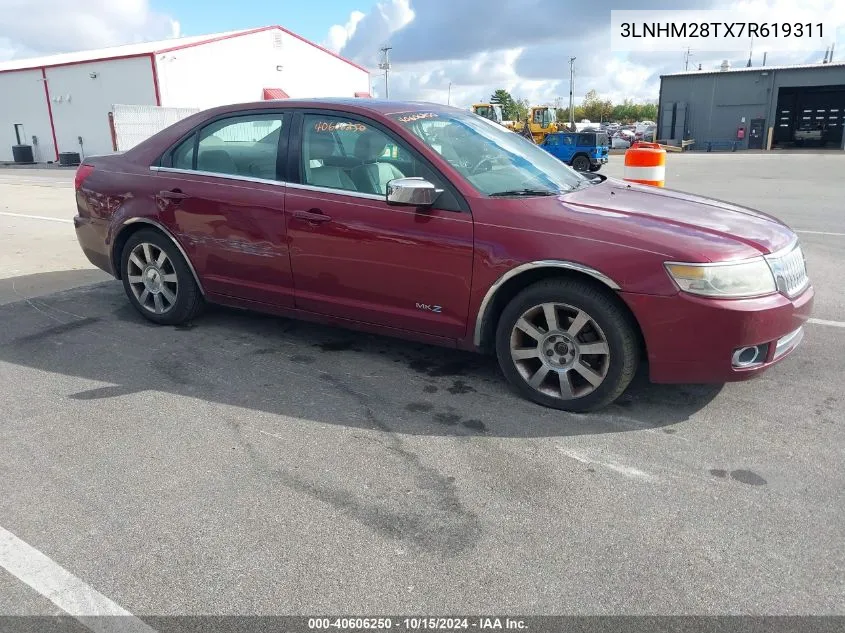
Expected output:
(758, 107)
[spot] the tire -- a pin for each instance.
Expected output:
(595, 167)
(581, 163)
(612, 359)
(166, 294)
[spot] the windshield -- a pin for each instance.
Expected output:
(495, 160)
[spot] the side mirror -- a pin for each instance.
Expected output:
(412, 192)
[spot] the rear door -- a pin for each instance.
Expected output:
(221, 192)
(356, 257)
(601, 145)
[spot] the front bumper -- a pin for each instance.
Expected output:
(693, 339)
(602, 160)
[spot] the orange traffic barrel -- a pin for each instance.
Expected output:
(645, 163)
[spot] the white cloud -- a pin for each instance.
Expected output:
(376, 28)
(524, 46)
(40, 27)
(340, 34)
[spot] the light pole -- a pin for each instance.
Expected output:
(449, 98)
(571, 92)
(385, 66)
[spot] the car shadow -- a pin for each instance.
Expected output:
(24, 287)
(305, 371)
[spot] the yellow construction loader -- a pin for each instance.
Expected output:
(492, 111)
(542, 120)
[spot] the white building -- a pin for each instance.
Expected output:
(60, 98)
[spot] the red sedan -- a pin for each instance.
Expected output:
(430, 223)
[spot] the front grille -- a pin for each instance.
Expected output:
(790, 271)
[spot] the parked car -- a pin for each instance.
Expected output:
(466, 236)
(642, 126)
(809, 133)
(584, 151)
(620, 141)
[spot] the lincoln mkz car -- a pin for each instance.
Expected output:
(429, 223)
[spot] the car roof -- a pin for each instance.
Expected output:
(352, 104)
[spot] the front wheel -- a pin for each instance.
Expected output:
(567, 345)
(595, 167)
(581, 163)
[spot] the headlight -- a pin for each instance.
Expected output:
(751, 278)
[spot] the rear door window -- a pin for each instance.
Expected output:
(241, 146)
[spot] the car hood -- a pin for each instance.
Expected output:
(690, 217)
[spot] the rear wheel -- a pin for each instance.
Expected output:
(567, 345)
(157, 279)
(581, 163)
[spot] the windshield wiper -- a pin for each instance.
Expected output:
(525, 192)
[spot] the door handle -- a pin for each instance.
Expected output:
(314, 216)
(175, 194)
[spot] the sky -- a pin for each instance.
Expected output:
(522, 46)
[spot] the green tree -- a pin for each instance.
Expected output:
(648, 112)
(522, 106)
(592, 106)
(625, 112)
(509, 106)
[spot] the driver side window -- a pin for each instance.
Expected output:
(351, 155)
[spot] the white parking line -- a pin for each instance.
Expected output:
(35, 217)
(65, 590)
(823, 322)
(821, 233)
(38, 182)
(627, 471)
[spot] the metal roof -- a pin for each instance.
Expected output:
(147, 48)
(127, 50)
(718, 71)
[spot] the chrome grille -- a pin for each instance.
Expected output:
(790, 271)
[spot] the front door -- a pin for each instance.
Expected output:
(756, 133)
(221, 194)
(356, 257)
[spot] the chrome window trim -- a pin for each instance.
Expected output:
(264, 181)
(171, 237)
(340, 192)
(546, 263)
(213, 174)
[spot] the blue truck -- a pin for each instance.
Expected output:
(583, 151)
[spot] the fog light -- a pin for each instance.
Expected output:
(748, 356)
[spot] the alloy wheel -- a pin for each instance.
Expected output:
(152, 278)
(560, 351)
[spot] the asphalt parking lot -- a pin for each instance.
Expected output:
(253, 465)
